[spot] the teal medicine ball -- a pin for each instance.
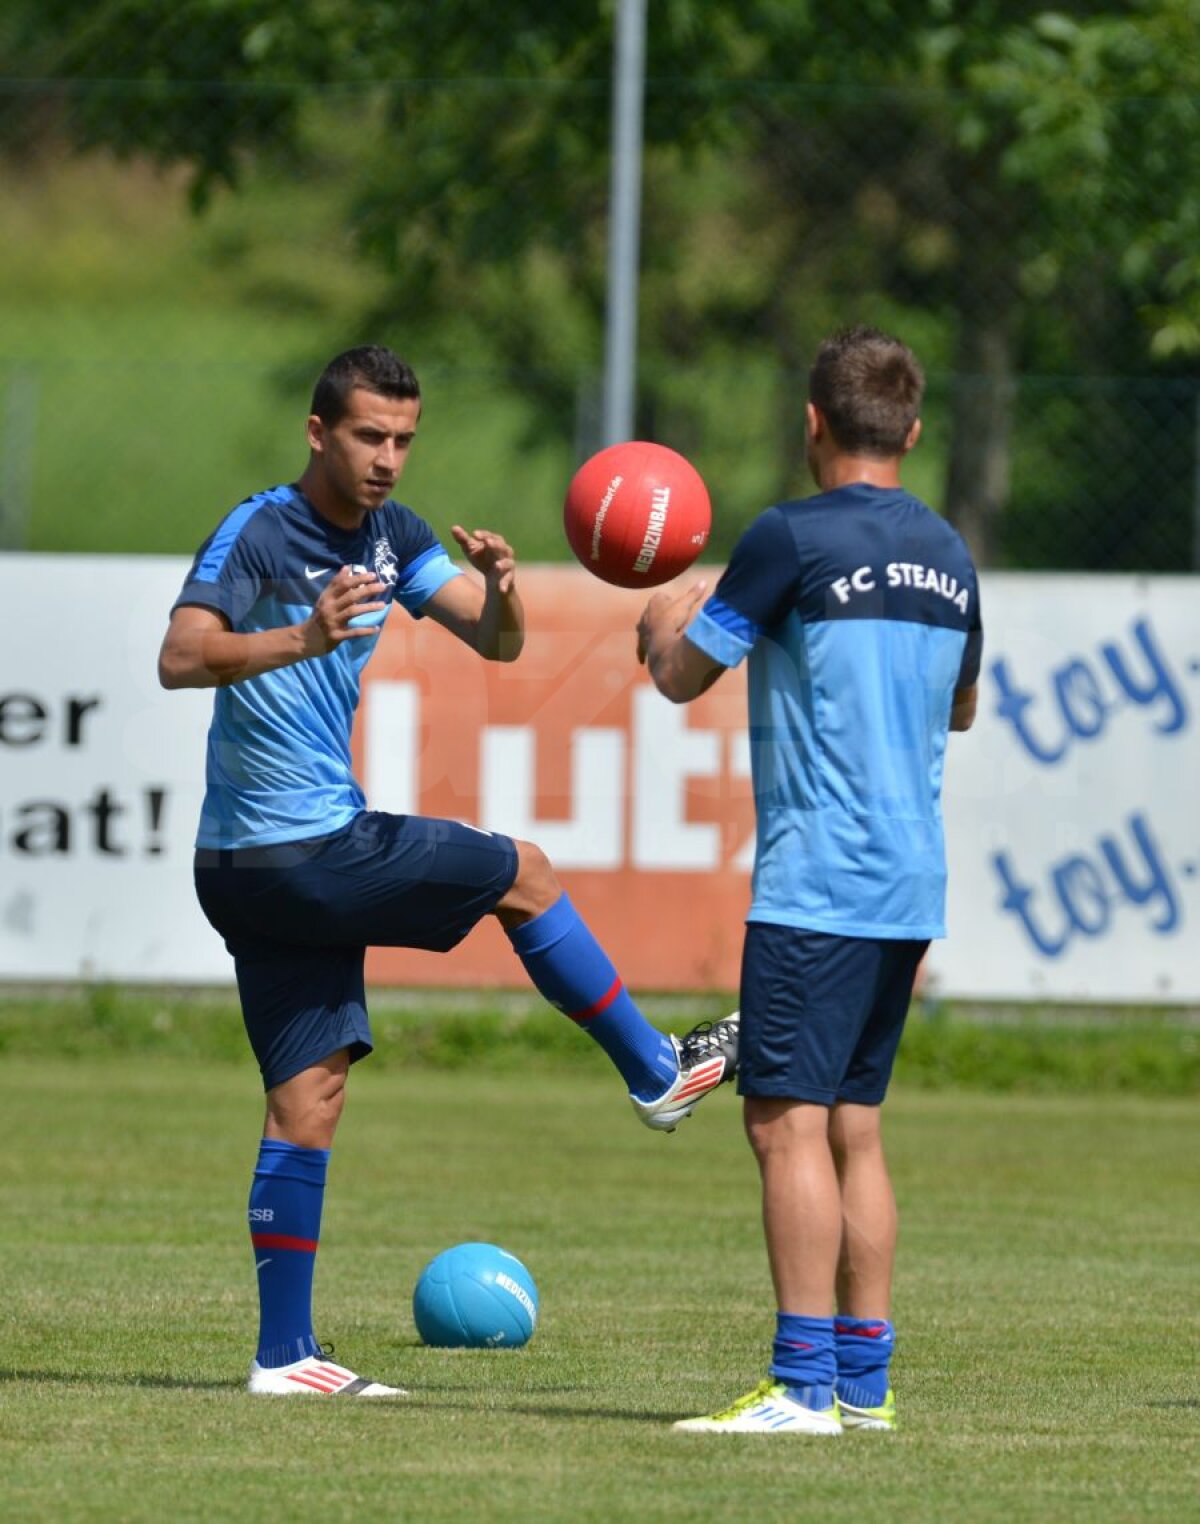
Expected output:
(475, 1296)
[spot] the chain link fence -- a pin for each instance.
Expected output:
(182, 257)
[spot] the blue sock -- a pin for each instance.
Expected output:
(570, 968)
(864, 1348)
(285, 1224)
(803, 1358)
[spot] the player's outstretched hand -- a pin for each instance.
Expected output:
(489, 553)
(346, 595)
(667, 615)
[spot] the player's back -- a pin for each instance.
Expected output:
(858, 608)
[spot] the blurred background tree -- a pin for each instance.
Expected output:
(1012, 189)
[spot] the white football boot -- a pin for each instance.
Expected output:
(708, 1057)
(314, 1376)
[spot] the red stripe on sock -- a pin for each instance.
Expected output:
(601, 1005)
(283, 1241)
(863, 1331)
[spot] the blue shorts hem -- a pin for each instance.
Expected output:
(782, 1091)
(358, 1048)
(822, 1014)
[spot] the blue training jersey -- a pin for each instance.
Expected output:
(278, 765)
(859, 610)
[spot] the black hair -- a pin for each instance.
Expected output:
(371, 367)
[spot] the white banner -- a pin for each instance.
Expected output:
(101, 777)
(1071, 813)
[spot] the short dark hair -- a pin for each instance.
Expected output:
(869, 387)
(371, 367)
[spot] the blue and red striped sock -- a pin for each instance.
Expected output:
(570, 968)
(803, 1358)
(285, 1225)
(864, 1349)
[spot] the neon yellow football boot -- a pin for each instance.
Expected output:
(882, 1417)
(768, 1409)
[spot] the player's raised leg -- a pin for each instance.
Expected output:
(666, 1076)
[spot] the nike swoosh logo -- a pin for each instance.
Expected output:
(321, 571)
(259, 1263)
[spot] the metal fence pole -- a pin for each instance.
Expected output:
(18, 427)
(625, 196)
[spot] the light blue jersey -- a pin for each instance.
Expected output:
(278, 765)
(859, 611)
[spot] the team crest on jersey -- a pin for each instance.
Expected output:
(386, 567)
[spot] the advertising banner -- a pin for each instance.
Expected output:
(1072, 824)
(1073, 807)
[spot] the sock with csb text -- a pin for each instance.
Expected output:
(285, 1225)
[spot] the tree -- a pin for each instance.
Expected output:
(1000, 181)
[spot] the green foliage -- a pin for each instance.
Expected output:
(1039, 1052)
(1012, 186)
(171, 361)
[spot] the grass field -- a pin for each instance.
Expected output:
(1047, 1365)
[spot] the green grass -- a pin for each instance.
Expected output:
(1034, 1051)
(1045, 1301)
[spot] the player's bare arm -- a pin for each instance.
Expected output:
(680, 670)
(201, 651)
(489, 617)
(962, 710)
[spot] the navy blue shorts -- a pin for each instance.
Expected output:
(299, 917)
(822, 1015)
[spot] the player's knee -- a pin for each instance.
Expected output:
(854, 1130)
(535, 887)
(760, 1119)
(535, 872)
(305, 1111)
(330, 1105)
(779, 1127)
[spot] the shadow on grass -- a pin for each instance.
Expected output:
(426, 1402)
(108, 1378)
(420, 1399)
(616, 1415)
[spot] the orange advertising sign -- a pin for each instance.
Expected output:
(644, 807)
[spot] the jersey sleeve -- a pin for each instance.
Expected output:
(968, 674)
(421, 578)
(757, 589)
(423, 565)
(228, 572)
